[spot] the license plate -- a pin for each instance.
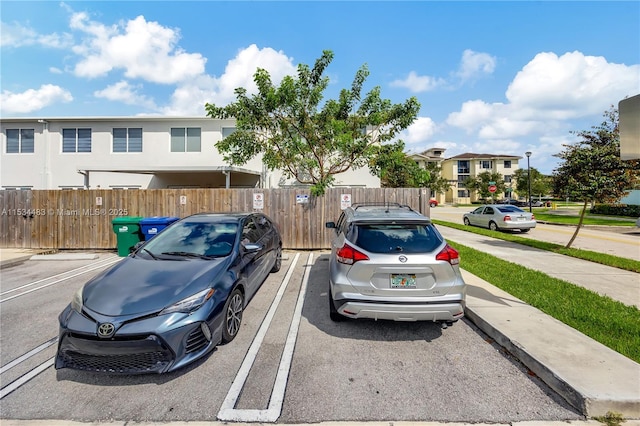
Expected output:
(403, 281)
(521, 219)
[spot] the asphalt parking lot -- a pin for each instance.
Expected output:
(289, 361)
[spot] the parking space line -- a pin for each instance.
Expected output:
(106, 261)
(29, 354)
(25, 378)
(57, 281)
(227, 410)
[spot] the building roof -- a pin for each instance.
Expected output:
(473, 156)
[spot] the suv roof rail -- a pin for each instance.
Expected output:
(356, 206)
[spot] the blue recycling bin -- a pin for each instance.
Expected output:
(150, 226)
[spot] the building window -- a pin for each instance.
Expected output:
(486, 164)
(127, 140)
(19, 141)
(461, 179)
(76, 140)
(463, 193)
(463, 166)
(507, 164)
(507, 178)
(185, 139)
(226, 131)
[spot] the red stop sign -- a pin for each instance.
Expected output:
(493, 188)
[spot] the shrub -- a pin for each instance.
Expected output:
(616, 210)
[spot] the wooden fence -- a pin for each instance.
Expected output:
(82, 219)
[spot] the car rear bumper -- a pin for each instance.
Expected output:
(517, 225)
(451, 311)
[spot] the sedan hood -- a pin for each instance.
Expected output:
(140, 286)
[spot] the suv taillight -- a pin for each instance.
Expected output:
(449, 254)
(348, 255)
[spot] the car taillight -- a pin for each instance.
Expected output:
(449, 254)
(506, 218)
(348, 255)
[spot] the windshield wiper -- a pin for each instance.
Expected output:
(151, 254)
(188, 254)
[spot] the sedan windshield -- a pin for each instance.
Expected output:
(197, 239)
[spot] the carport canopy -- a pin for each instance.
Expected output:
(224, 170)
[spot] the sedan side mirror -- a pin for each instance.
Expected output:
(252, 247)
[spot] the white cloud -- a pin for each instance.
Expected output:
(144, 50)
(546, 93)
(421, 130)
(123, 92)
(190, 97)
(17, 35)
(418, 83)
(475, 64)
(571, 85)
(33, 100)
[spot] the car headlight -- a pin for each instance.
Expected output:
(191, 303)
(76, 302)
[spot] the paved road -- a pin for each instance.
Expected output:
(619, 241)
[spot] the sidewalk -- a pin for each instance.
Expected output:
(592, 377)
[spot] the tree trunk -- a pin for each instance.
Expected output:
(575, 234)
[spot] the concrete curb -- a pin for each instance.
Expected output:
(65, 256)
(612, 382)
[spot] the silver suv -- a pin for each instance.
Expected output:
(390, 262)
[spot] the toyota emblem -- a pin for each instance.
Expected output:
(403, 259)
(106, 329)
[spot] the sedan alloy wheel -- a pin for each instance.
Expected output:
(233, 316)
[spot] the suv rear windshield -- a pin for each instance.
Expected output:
(396, 238)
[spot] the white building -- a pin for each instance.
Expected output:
(132, 152)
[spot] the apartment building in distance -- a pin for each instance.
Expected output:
(463, 166)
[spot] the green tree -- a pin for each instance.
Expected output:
(591, 169)
(481, 184)
(438, 184)
(394, 167)
(540, 184)
(293, 133)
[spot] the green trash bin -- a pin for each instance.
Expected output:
(127, 229)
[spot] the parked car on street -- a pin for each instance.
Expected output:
(173, 300)
(433, 202)
(390, 262)
(500, 217)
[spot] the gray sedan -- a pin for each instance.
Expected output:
(498, 217)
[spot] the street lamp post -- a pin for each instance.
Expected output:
(528, 154)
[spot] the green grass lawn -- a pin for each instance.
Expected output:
(602, 258)
(573, 219)
(607, 321)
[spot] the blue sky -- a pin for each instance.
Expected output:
(501, 77)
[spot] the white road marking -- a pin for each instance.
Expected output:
(29, 354)
(58, 281)
(25, 378)
(227, 410)
(103, 261)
